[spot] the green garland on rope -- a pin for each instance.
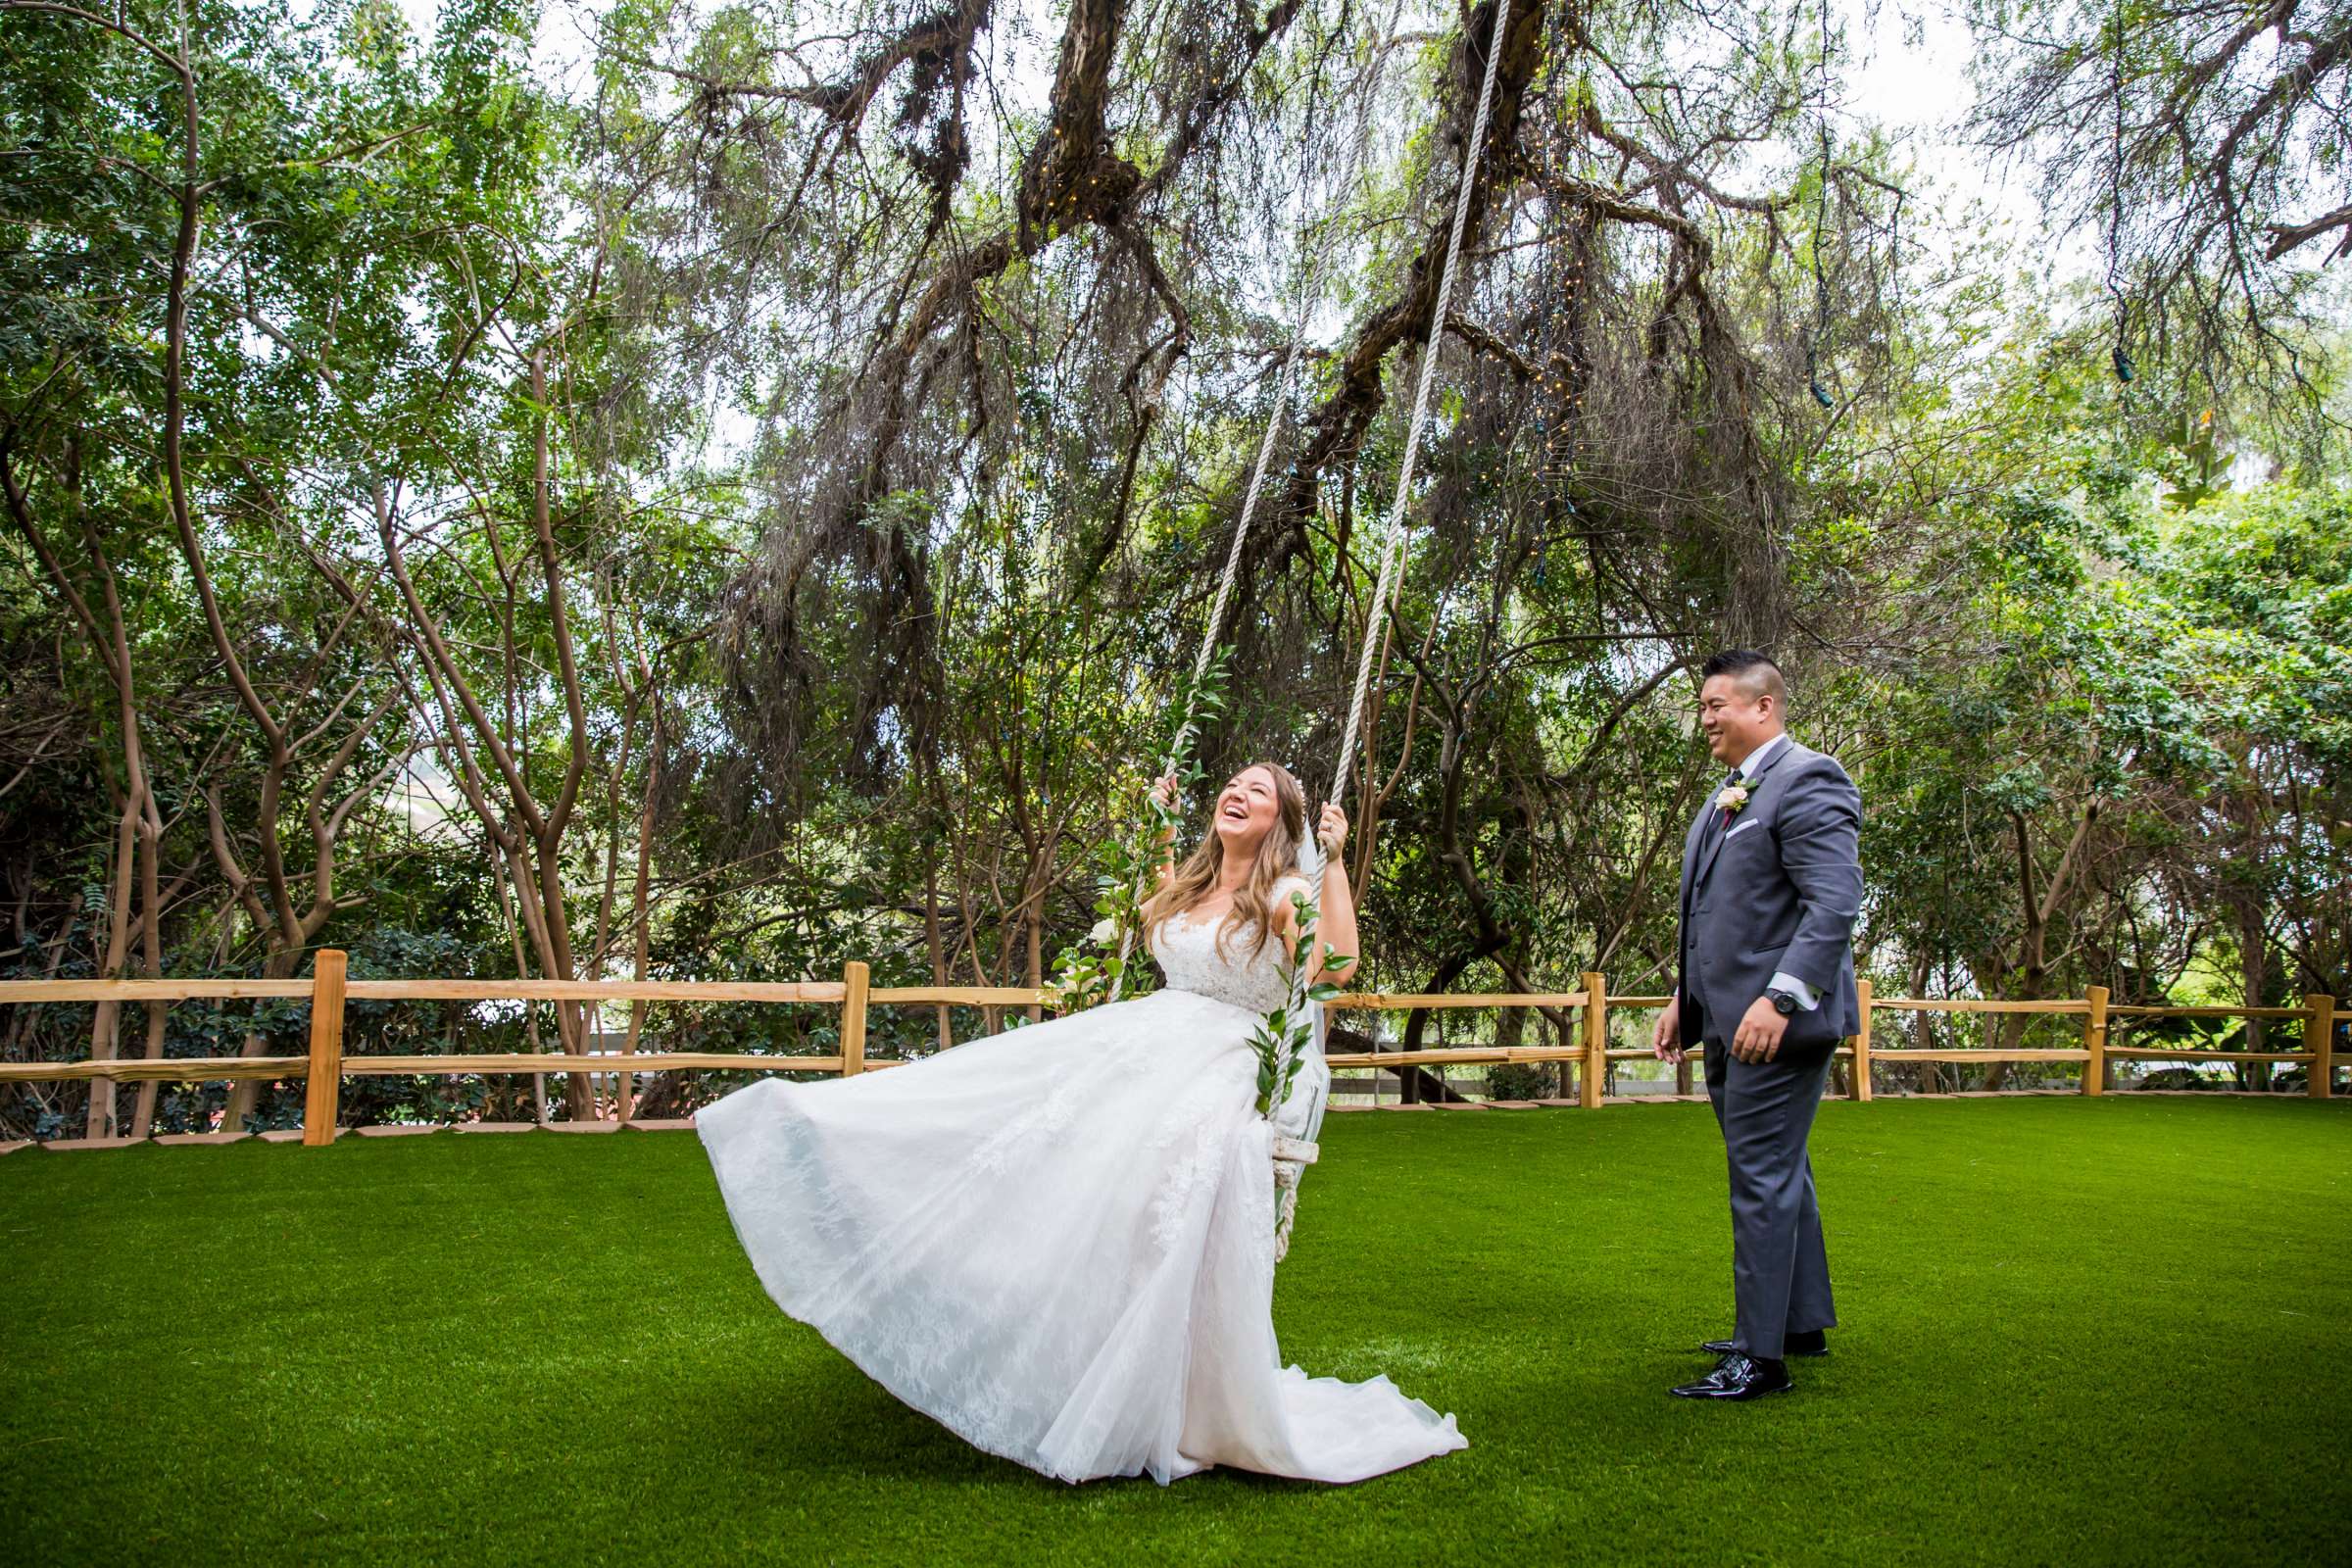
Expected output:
(1282, 1028)
(1127, 866)
(1086, 973)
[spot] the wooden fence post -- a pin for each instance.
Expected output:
(2094, 1041)
(853, 1017)
(2319, 1038)
(1597, 1041)
(1862, 1041)
(323, 1092)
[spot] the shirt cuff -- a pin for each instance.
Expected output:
(1806, 996)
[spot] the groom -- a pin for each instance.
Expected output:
(1772, 883)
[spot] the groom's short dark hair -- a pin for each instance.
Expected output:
(1755, 672)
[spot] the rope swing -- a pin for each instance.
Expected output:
(1286, 387)
(1297, 1024)
(1291, 1156)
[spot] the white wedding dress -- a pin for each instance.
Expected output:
(1057, 1242)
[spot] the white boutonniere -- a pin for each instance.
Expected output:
(1732, 798)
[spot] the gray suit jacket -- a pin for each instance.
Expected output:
(1779, 889)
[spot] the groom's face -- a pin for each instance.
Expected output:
(1735, 720)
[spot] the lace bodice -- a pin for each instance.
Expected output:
(1187, 950)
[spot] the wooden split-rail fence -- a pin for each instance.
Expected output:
(328, 988)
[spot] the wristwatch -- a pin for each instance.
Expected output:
(1783, 1003)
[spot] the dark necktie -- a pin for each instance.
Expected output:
(1722, 813)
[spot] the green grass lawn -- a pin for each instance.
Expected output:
(2075, 1331)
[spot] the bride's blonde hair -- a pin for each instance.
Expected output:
(1253, 906)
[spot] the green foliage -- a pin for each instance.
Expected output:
(879, 664)
(1127, 865)
(2204, 463)
(1520, 1080)
(1286, 1032)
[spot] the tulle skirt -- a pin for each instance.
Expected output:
(1058, 1243)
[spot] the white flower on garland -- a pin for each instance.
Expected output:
(1104, 930)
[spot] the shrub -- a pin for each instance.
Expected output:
(1520, 1080)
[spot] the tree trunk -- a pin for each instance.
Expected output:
(2010, 1034)
(153, 899)
(106, 1017)
(2253, 948)
(245, 1092)
(139, 827)
(1923, 1029)
(934, 949)
(20, 1018)
(1035, 930)
(1510, 1031)
(640, 915)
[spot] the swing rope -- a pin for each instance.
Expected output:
(1393, 541)
(1292, 1155)
(1286, 378)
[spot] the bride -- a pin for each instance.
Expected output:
(1057, 1242)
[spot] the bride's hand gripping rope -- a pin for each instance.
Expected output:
(1331, 830)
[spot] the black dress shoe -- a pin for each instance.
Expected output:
(1739, 1378)
(1816, 1343)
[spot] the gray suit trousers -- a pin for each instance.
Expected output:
(1780, 1266)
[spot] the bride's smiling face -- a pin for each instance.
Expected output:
(1247, 810)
